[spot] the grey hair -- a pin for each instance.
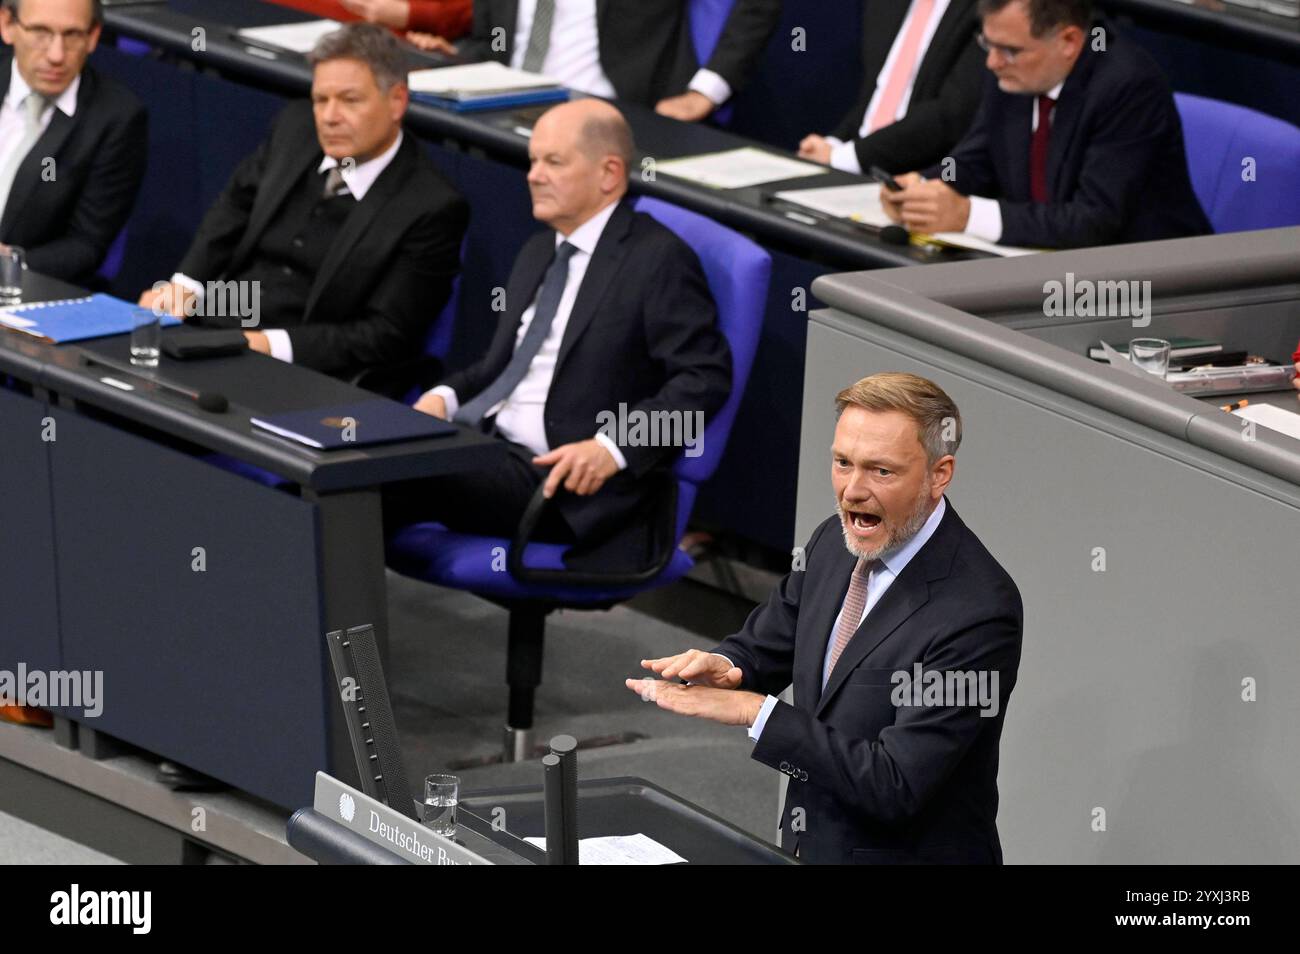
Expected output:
(96, 9)
(608, 135)
(372, 45)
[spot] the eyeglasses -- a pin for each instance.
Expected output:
(43, 37)
(1008, 53)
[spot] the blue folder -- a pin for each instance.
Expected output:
(359, 424)
(504, 101)
(75, 319)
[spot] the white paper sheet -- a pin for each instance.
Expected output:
(1274, 418)
(475, 78)
(635, 849)
(858, 202)
(962, 240)
(738, 168)
(298, 37)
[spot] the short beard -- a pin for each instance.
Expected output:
(909, 528)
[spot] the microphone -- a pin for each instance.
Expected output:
(212, 402)
(895, 235)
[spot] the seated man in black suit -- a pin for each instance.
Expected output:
(901, 636)
(72, 142)
(921, 84)
(607, 312)
(635, 50)
(1076, 142)
(339, 229)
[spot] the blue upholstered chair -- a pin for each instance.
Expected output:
(1218, 137)
(536, 581)
(707, 18)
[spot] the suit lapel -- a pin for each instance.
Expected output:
(271, 196)
(509, 20)
(604, 265)
(1067, 117)
(1018, 135)
(810, 653)
(359, 220)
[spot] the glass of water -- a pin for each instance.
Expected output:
(146, 338)
(441, 795)
(1151, 355)
(12, 262)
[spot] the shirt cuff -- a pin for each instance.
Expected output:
(281, 344)
(985, 219)
(727, 658)
(711, 85)
(189, 284)
(844, 156)
(448, 396)
(614, 452)
(756, 729)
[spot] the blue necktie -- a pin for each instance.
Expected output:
(548, 303)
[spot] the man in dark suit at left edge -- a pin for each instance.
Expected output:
(72, 142)
(349, 231)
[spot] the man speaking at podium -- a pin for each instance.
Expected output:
(901, 636)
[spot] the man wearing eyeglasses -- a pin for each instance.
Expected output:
(72, 142)
(1076, 142)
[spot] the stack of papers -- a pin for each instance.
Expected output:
(962, 240)
(620, 850)
(738, 168)
(477, 86)
(861, 203)
(295, 37)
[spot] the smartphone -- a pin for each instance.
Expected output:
(885, 179)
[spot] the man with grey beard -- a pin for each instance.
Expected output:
(874, 780)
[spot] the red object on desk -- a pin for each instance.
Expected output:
(446, 18)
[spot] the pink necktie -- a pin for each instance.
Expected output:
(851, 616)
(904, 65)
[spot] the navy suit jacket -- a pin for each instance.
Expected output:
(872, 782)
(1116, 169)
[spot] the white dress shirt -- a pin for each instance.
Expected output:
(521, 417)
(13, 116)
(878, 582)
(843, 155)
(357, 180)
(985, 219)
(573, 55)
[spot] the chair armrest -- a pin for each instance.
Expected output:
(528, 523)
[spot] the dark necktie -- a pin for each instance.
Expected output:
(539, 36)
(1038, 150)
(548, 303)
(334, 184)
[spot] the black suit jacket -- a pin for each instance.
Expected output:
(67, 223)
(388, 272)
(871, 782)
(645, 45)
(643, 331)
(944, 96)
(1116, 169)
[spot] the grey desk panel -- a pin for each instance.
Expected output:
(222, 669)
(29, 615)
(1129, 694)
(1192, 265)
